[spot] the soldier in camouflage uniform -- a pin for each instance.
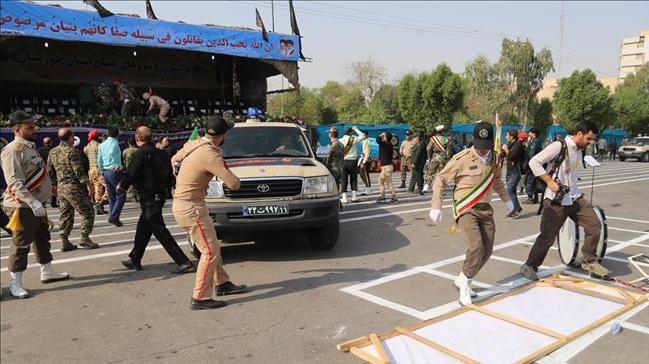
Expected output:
(105, 95)
(438, 152)
(96, 179)
(70, 180)
(126, 98)
(335, 159)
(127, 156)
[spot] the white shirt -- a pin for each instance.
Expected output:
(568, 171)
(353, 153)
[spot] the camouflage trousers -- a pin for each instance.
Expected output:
(98, 184)
(75, 197)
(434, 167)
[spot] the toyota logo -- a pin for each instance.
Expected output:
(263, 188)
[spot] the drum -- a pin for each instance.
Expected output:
(571, 239)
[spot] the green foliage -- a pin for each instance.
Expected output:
(580, 97)
(384, 107)
(631, 102)
(409, 97)
(541, 114)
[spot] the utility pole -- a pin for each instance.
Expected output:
(272, 11)
(561, 21)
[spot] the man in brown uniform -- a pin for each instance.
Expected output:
(157, 102)
(200, 160)
(96, 179)
(28, 187)
(475, 172)
(405, 150)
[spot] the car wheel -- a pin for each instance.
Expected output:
(645, 157)
(622, 159)
(195, 252)
(325, 237)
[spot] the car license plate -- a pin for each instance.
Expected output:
(265, 210)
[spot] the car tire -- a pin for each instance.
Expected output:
(325, 237)
(645, 157)
(195, 252)
(622, 159)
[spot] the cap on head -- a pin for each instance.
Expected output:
(439, 128)
(77, 141)
(216, 125)
(483, 135)
(20, 116)
(408, 133)
(93, 134)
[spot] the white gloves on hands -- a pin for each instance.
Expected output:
(435, 216)
(38, 209)
(510, 206)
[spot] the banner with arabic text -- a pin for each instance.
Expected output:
(20, 18)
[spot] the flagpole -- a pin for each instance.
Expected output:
(272, 10)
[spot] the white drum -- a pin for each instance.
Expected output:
(571, 239)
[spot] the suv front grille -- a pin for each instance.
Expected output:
(275, 188)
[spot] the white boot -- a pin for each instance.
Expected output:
(463, 285)
(343, 197)
(368, 190)
(354, 197)
(48, 275)
(16, 285)
(426, 188)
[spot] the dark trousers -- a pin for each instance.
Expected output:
(416, 180)
(152, 223)
(115, 200)
(35, 230)
(529, 186)
(365, 173)
(512, 186)
(350, 171)
(552, 220)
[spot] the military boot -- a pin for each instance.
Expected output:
(99, 209)
(66, 245)
(87, 243)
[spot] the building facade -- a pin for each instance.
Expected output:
(634, 53)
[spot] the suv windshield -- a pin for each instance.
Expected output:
(640, 141)
(265, 141)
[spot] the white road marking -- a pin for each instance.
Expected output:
(625, 219)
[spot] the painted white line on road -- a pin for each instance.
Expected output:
(625, 219)
(514, 261)
(628, 230)
(635, 327)
(98, 256)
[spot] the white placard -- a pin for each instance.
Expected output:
(591, 162)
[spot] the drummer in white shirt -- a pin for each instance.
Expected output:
(572, 205)
(350, 163)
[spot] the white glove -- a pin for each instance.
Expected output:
(510, 206)
(38, 209)
(435, 215)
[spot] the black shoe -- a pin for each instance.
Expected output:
(529, 201)
(132, 265)
(380, 200)
(392, 201)
(205, 304)
(403, 185)
(184, 268)
(519, 209)
(68, 247)
(529, 272)
(116, 223)
(55, 204)
(229, 288)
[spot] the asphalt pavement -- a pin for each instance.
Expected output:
(391, 267)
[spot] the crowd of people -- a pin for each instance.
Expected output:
(82, 180)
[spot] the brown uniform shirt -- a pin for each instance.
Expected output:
(406, 148)
(156, 102)
(198, 169)
(466, 170)
(20, 162)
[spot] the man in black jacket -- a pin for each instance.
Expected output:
(386, 151)
(533, 148)
(150, 172)
(514, 153)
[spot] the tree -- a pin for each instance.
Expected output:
(351, 106)
(541, 114)
(307, 104)
(409, 97)
(631, 102)
(442, 95)
(384, 107)
(487, 89)
(523, 71)
(367, 76)
(580, 97)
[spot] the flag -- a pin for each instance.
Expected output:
(149, 10)
(260, 23)
(294, 27)
(193, 135)
(103, 12)
(498, 137)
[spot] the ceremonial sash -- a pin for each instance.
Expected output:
(476, 194)
(34, 180)
(438, 145)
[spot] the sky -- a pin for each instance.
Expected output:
(415, 36)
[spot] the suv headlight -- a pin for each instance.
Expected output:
(322, 184)
(215, 189)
